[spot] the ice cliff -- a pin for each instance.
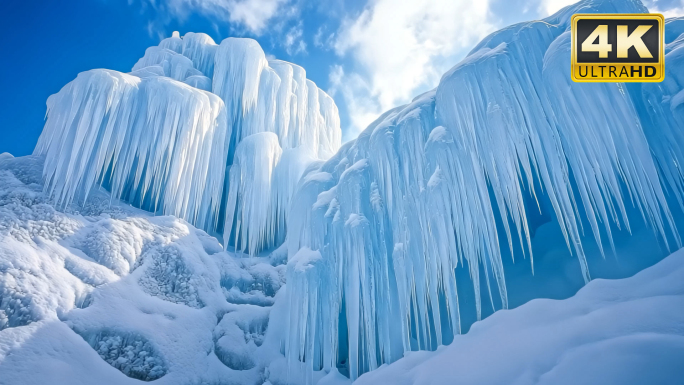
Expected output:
(164, 136)
(457, 177)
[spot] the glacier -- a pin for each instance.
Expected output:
(198, 221)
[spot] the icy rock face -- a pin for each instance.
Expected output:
(162, 136)
(437, 183)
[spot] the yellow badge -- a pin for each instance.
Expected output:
(618, 47)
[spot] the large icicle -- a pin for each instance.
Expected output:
(248, 211)
(201, 50)
(393, 213)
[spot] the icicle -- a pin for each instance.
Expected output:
(164, 146)
(249, 200)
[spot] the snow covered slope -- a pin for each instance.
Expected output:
(628, 331)
(107, 294)
(163, 136)
(463, 176)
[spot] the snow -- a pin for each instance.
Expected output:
(626, 331)
(106, 293)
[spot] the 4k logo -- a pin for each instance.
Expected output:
(618, 47)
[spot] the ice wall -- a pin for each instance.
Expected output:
(164, 137)
(392, 214)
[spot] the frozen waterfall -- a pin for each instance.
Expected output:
(164, 137)
(430, 185)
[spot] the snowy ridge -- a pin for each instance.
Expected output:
(164, 136)
(421, 190)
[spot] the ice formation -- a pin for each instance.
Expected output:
(375, 232)
(589, 338)
(430, 185)
(164, 137)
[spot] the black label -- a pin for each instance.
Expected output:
(650, 39)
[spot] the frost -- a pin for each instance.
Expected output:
(15, 307)
(167, 277)
(132, 354)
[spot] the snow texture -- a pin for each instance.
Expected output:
(440, 183)
(105, 293)
(163, 137)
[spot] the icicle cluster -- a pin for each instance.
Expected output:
(154, 142)
(393, 214)
(163, 136)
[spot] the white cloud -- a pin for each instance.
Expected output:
(252, 15)
(669, 8)
(549, 7)
(400, 48)
(323, 42)
(293, 42)
(362, 106)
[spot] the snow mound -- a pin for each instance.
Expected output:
(120, 296)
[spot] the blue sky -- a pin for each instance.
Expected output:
(370, 55)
